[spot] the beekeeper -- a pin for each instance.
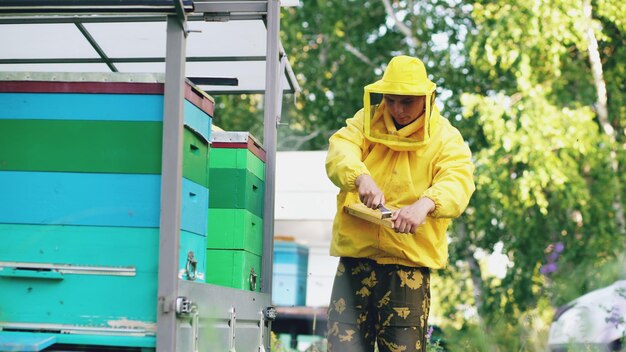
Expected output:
(400, 153)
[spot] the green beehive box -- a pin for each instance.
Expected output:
(237, 150)
(227, 158)
(195, 157)
(233, 268)
(235, 229)
(81, 146)
(95, 146)
(236, 189)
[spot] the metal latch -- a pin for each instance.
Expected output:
(191, 266)
(253, 279)
(270, 313)
(186, 308)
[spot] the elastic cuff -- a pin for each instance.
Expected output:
(354, 175)
(432, 195)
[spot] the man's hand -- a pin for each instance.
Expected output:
(369, 193)
(409, 218)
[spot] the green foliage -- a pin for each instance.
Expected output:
(335, 47)
(242, 112)
(507, 335)
(335, 55)
(543, 167)
(515, 78)
(275, 343)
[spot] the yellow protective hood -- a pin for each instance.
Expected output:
(404, 75)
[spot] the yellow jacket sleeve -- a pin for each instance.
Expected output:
(344, 159)
(453, 182)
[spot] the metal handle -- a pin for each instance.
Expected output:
(252, 279)
(45, 274)
(232, 321)
(191, 266)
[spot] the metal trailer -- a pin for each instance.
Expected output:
(187, 311)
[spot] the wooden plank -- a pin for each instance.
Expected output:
(363, 212)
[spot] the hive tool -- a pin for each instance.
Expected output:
(384, 212)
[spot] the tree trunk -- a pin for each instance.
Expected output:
(474, 267)
(411, 41)
(477, 281)
(602, 108)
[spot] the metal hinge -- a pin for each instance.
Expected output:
(232, 321)
(186, 308)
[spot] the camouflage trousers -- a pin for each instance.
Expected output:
(379, 304)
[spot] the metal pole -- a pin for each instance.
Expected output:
(272, 80)
(171, 188)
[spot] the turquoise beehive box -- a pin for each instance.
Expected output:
(290, 273)
(80, 166)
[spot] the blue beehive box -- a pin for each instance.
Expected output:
(80, 208)
(290, 273)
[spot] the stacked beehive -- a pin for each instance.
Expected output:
(80, 166)
(235, 236)
(291, 261)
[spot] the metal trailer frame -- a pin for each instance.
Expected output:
(192, 316)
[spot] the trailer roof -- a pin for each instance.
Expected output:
(226, 44)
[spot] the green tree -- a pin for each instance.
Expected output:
(548, 172)
(337, 47)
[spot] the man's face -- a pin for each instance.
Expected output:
(405, 108)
